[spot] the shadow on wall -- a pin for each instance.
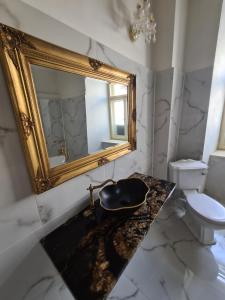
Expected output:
(14, 178)
(120, 14)
(215, 179)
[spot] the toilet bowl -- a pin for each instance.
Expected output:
(204, 214)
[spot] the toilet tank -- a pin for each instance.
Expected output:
(188, 174)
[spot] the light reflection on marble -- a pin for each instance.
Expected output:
(172, 265)
(169, 265)
(215, 178)
(35, 279)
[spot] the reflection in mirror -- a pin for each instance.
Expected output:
(80, 115)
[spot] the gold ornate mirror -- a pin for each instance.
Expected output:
(74, 113)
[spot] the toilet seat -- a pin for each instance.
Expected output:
(206, 207)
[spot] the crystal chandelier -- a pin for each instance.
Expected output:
(144, 22)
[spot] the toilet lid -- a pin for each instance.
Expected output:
(207, 207)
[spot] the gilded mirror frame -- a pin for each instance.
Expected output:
(18, 51)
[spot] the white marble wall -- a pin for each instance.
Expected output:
(168, 105)
(181, 108)
(24, 217)
(194, 113)
(52, 120)
(163, 96)
(175, 115)
(75, 127)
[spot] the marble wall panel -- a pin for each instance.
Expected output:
(64, 122)
(175, 115)
(163, 98)
(194, 113)
(19, 215)
(52, 120)
(168, 107)
(75, 127)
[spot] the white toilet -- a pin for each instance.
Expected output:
(204, 214)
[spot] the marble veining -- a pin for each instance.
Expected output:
(140, 160)
(163, 94)
(175, 115)
(168, 107)
(75, 127)
(103, 242)
(40, 280)
(183, 269)
(47, 211)
(168, 265)
(196, 96)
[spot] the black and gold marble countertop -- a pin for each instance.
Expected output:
(92, 249)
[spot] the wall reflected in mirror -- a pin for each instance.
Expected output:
(80, 115)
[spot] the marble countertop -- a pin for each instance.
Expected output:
(168, 264)
(91, 250)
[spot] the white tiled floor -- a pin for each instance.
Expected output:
(169, 265)
(172, 265)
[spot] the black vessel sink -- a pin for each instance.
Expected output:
(125, 194)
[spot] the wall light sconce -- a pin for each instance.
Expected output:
(144, 23)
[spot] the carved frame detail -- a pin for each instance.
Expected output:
(27, 123)
(95, 64)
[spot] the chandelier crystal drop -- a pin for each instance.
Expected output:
(144, 22)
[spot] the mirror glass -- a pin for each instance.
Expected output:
(80, 115)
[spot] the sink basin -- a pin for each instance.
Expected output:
(125, 194)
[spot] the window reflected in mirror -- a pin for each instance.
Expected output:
(80, 115)
(118, 111)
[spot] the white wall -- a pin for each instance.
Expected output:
(217, 95)
(110, 20)
(162, 50)
(42, 76)
(58, 83)
(96, 101)
(179, 33)
(201, 36)
(203, 18)
(70, 85)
